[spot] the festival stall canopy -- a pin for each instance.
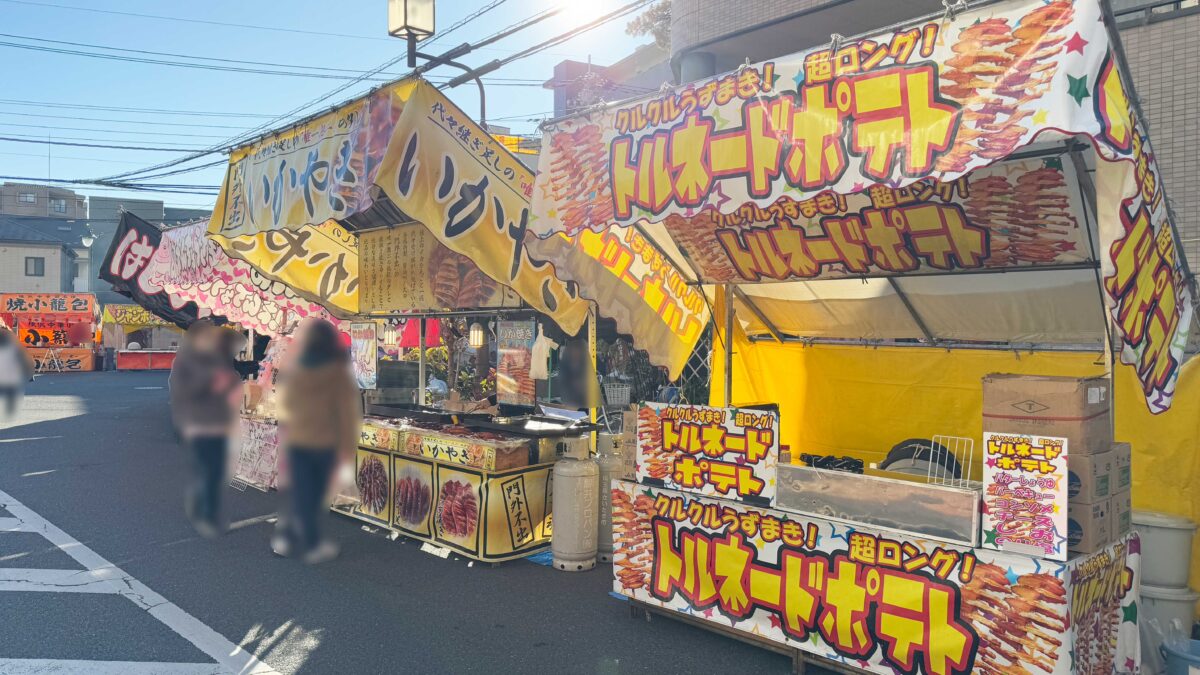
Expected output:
(973, 180)
(134, 317)
(399, 201)
(181, 274)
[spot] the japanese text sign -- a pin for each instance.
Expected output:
(1025, 494)
(514, 345)
(128, 267)
(875, 601)
(364, 353)
(82, 305)
(906, 152)
(730, 453)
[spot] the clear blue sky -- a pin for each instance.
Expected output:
(351, 34)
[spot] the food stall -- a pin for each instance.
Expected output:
(57, 330)
(389, 244)
(975, 190)
(156, 339)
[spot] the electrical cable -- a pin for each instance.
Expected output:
(386, 77)
(147, 111)
(106, 119)
(240, 139)
(111, 131)
(45, 141)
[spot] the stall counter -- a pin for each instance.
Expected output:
(145, 359)
(481, 514)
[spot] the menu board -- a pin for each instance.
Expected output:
(1025, 494)
(364, 352)
(731, 453)
(515, 346)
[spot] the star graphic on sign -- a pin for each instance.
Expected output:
(991, 463)
(775, 80)
(1012, 577)
(722, 198)
(1041, 116)
(648, 492)
(775, 622)
(1055, 509)
(1076, 43)
(799, 78)
(989, 537)
(858, 187)
(1130, 665)
(1129, 612)
(1078, 88)
(708, 613)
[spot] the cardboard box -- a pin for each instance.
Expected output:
(1078, 409)
(1089, 477)
(1121, 514)
(1088, 526)
(1122, 467)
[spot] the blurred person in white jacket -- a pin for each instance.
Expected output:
(15, 371)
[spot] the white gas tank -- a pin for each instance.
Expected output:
(608, 456)
(576, 514)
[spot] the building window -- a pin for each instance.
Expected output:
(35, 267)
(58, 205)
(27, 198)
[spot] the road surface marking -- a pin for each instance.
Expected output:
(265, 518)
(101, 574)
(68, 667)
(11, 525)
(37, 473)
(31, 438)
(58, 581)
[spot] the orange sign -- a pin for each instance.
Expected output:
(48, 303)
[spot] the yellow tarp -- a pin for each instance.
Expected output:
(860, 401)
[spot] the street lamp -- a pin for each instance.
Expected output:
(413, 21)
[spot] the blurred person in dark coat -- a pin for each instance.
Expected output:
(320, 420)
(202, 385)
(15, 370)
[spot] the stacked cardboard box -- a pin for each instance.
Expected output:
(628, 442)
(1079, 410)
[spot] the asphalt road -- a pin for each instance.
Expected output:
(93, 455)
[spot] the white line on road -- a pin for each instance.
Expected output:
(31, 438)
(57, 581)
(67, 667)
(38, 473)
(228, 655)
(11, 525)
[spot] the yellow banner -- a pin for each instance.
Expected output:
(444, 171)
(130, 315)
(318, 262)
(407, 267)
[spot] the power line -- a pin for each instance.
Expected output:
(383, 66)
(148, 111)
(106, 119)
(179, 19)
(172, 134)
(197, 66)
(78, 159)
(44, 141)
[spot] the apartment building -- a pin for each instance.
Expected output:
(26, 199)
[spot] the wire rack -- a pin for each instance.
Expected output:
(947, 453)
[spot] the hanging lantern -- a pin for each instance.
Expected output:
(390, 334)
(475, 338)
(410, 19)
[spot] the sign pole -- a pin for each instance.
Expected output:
(727, 292)
(421, 362)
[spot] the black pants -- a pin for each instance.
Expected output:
(208, 472)
(11, 396)
(310, 470)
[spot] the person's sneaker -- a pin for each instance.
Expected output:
(280, 546)
(322, 552)
(207, 529)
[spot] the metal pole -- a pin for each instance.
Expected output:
(728, 295)
(421, 362)
(594, 387)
